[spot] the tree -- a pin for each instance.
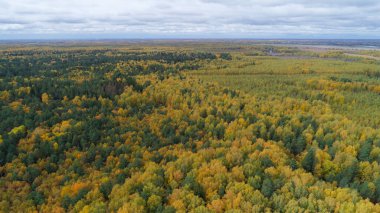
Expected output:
(226, 56)
(365, 151)
(366, 190)
(154, 203)
(309, 161)
(106, 188)
(347, 174)
(299, 145)
(267, 188)
(192, 183)
(45, 98)
(37, 197)
(376, 196)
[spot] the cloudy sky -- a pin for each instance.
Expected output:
(189, 19)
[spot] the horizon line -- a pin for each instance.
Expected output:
(180, 39)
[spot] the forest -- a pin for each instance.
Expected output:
(190, 126)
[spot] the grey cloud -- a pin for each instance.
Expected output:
(175, 17)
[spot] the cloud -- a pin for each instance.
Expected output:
(234, 18)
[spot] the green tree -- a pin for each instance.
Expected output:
(106, 188)
(309, 161)
(365, 151)
(267, 188)
(299, 145)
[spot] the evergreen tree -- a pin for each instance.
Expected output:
(365, 151)
(106, 188)
(299, 145)
(267, 188)
(308, 163)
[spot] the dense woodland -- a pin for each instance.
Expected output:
(175, 129)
